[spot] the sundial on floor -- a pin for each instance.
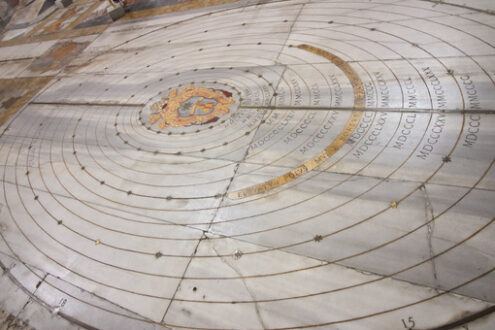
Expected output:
(285, 164)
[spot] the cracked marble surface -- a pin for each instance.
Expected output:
(251, 165)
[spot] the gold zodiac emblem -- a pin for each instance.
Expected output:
(192, 106)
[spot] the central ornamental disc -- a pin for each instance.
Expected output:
(189, 106)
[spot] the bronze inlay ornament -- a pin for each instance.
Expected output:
(191, 106)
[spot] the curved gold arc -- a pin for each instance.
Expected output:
(330, 150)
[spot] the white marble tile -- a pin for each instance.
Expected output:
(26, 50)
(478, 4)
(13, 69)
(268, 298)
(124, 224)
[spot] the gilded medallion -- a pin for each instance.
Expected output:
(190, 106)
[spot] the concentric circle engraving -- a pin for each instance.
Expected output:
(271, 165)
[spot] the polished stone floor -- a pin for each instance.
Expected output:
(249, 165)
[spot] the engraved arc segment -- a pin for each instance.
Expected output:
(330, 150)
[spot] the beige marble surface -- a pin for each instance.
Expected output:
(109, 221)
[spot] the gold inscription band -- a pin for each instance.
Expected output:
(329, 151)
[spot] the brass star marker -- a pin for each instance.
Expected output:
(394, 204)
(238, 254)
(97, 242)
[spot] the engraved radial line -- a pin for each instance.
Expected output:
(330, 150)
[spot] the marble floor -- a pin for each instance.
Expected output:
(248, 165)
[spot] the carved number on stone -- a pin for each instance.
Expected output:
(409, 323)
(62, 302)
